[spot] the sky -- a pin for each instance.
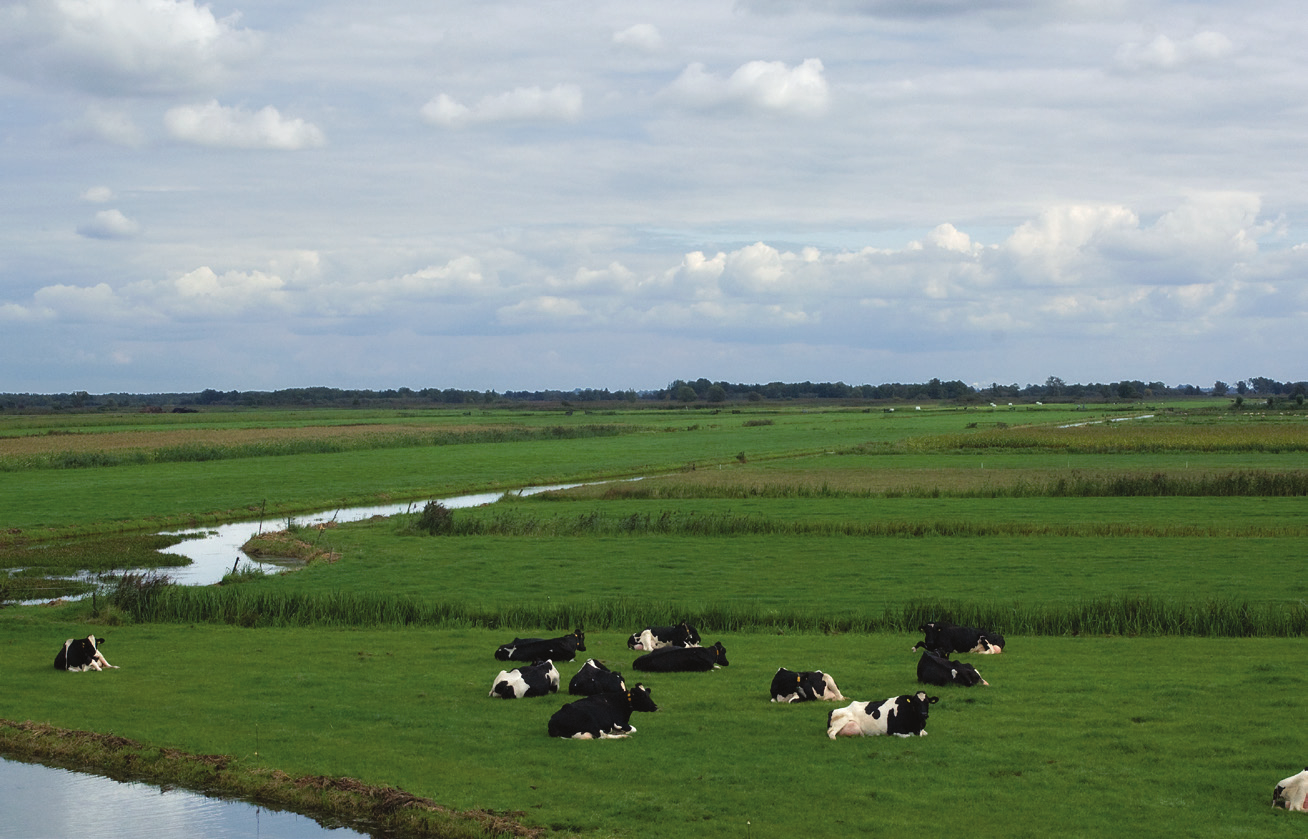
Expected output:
(504, 195)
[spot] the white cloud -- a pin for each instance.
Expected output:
(121, 46)
(643, 37)
(109, 224)
(761, 85)
(1164, 53)
(98, 194)
(561, 103)
(112, 126)
(219, 126)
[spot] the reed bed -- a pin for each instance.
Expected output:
(1246, 483)
(1143, 436)
(248, 606)
(105, 450)
(695, 524)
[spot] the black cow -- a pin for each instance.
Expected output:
(683, 659)
(538, 679)
(81, 654)
(935, 668)
(902, 716)
(601, 717)
(949, 637)
(594, 678)
(653, 637)
(540, 649)
(789, 686)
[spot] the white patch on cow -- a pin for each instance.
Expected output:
(514, 680)
(1292, 793)
(831, 692)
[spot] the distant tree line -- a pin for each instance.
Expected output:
(678, 392)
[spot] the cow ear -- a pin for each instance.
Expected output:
(933, 699)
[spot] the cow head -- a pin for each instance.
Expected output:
(719, 655)
(640, 699)
(916, 706)
(581, 639)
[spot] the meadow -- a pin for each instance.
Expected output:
(1142, 571)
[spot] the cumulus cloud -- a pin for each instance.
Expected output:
(643, 37)
(98, 194)
(220, 126)
(121, 46)
(1164, 53)
(760, 85)
(109, 224)
(561, 103)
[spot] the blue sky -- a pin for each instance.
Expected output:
(529, 195)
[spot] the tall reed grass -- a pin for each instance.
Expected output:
(275, 447)
(247, 605)
(513, 522)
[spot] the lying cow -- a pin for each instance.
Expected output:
(683, 659)
(1292, 793)
(538, 679)
(602, 717)
(594, 678)
(950, 637)
(935, 668)
(902, 716)
(81, 654)
(540, 649)
(653, 637)
(789, 686)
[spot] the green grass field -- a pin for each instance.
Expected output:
(1098, 722)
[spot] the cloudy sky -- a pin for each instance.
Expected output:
(526, 195)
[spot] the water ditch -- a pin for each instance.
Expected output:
(46, 802)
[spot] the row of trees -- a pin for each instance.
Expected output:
(680, 391)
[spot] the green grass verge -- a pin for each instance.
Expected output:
(1090, 736)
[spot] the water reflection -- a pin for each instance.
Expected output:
(42, 802)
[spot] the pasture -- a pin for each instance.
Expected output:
(1142, 571)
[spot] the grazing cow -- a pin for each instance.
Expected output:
(81, 654)
(683, 659)
(950, 637)
(594, 678)
(902, 716)
(653, 637)
(935, 668)
(538, 679)
(539, 649)
(789, 686)
(601, 717)
(1292, 793)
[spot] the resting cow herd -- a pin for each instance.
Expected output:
(606, 706)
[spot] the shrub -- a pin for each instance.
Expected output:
(435, 518)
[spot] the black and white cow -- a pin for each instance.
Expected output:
(935, 668)
(540, 649)
(601, 717)
(952, 638)
(82, 654)
(902, 716)
(805, 686)
(594, 678)
(1292, 793)
(683, 659)
(538, 679)
(653, 637)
